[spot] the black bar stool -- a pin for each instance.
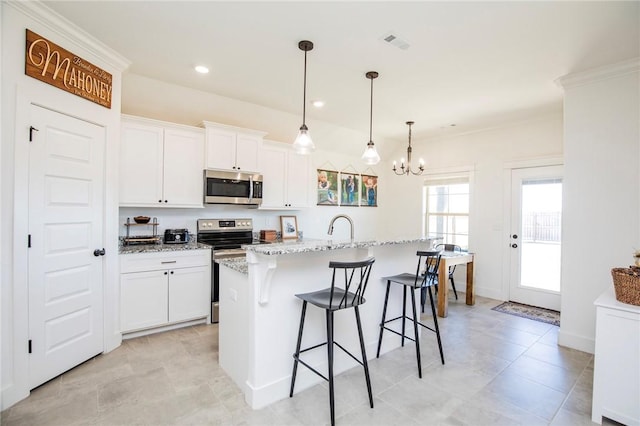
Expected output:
(426, 276)
(348, 284)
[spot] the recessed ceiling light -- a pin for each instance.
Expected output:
(317, 104)
(202, 69)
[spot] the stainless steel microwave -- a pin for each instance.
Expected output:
(227, 187)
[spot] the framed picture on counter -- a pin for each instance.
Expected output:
(289, 227)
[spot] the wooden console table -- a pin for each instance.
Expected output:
(450, 258)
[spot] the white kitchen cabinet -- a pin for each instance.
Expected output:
(161, 164)
(286, 177)
(616, 376)
(232, 148)
(162, 289)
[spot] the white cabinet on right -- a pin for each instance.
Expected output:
(232, 148)
(616, 376)
(286, 177)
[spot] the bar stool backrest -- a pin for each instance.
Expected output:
(428, 264)
(349, 282)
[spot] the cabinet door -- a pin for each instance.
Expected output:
(183, 168)
(274, 161)
(221, 149)
(298, 179)
(141, 156)
(189, 293)
(247, 151)
(143, 299)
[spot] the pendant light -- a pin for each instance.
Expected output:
(406, 169)
(370, 155)
(303, 143)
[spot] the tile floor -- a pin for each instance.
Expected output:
(500, 370)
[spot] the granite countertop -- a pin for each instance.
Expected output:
(311, 245)
(236, 263)
(150, 248)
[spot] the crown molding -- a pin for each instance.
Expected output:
(598, 74)
(42, 14)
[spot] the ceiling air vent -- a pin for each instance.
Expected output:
(396, 41)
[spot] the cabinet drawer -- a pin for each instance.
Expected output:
(138, 262)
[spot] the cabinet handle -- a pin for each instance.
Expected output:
(165, 201)
(171, 272)
(159, 201)
(165, 272)
(169, 261)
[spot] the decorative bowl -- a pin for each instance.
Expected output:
(142, 219)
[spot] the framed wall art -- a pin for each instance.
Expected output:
(349, 185)
(327, 187)
(289, 227)
(369, 191)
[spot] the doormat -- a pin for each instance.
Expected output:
(530, 312)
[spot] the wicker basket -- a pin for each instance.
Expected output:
(626, 283)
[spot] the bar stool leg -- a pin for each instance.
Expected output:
(435, 322)
(415, 330)
(364, 356)
(384, 315)
(330, 359)
(404, 310)
(296, 355)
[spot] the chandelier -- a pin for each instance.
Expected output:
(406, 169)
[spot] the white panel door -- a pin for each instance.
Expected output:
(274, 163)
(536, 213)
(183, 168)
(298, 180)
(221, 149)
(247, 150)
(141, 157)
(143, 299)
(66, 207)
(189, 293)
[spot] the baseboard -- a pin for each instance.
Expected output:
(11, 395)
(488, 293)
(575, 341)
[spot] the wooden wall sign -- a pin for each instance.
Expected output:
(50, 63)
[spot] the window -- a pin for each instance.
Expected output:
(446, 209)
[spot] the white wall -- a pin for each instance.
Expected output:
(602, 179)
(486, 154)
(18, 92)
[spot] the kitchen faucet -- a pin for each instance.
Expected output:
(330, 232)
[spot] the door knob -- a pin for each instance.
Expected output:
(514, 245)
(98, 252)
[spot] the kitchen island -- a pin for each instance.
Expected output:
(259, 313)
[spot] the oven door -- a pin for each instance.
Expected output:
(221, 187)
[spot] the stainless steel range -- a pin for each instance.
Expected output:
(225, 236)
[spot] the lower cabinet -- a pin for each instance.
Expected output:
(166, 288)
(616, 376)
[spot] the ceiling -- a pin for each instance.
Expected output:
(469, 65)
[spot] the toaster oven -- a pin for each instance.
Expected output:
(176, 236)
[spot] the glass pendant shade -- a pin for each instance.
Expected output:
(371, 156)
(303, 143)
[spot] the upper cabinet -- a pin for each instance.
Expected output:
(286, 177)
(161, 164)
(232, 148)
